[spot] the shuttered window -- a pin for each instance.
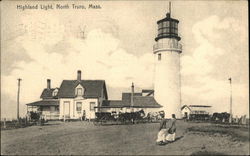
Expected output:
(79, 107)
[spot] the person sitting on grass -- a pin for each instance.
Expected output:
(171, 131)
(166, 131)
(161, 137)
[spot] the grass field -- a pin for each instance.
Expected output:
(74, 138)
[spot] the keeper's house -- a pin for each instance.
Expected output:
(78, 99)
(73, 100)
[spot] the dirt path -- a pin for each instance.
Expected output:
(86, 139)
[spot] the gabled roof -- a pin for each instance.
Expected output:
(148, 91)
(93, 88)
(126, 97)
(199, 106)
(112, 103)
(146, 102)
(51, 102)
(139, 102)
(47, 93)
(184, 107)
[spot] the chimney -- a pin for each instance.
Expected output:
(132, 95)
(79, 75)
(48, 83)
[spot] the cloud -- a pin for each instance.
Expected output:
(201, 66)
(99, 56)
(55, 52)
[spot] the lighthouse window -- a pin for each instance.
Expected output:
(167, 30)
(160, 31)
(172, 24)
(171, 30)
(160, 25)
(167, 23)
(164, 24)
(175, 31)
(159, 57)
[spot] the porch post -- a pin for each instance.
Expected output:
(69, 109)
(64, 112)
(50, 113)
(73, 108)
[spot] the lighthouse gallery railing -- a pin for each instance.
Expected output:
(173, 46)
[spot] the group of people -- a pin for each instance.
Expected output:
(167, 131)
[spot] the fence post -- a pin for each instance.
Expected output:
(25, 120)
(4, 123)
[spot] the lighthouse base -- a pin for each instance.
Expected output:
(168, 113)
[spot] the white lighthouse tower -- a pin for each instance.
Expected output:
(167, 52)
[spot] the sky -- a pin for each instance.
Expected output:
(117, 47)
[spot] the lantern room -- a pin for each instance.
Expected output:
(167, 28)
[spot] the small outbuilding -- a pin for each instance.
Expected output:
(195, 109)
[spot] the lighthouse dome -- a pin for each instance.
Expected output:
(167, 28)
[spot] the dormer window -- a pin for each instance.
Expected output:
(54, 93)
(79, 91)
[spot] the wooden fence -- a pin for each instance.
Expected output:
(13, 124)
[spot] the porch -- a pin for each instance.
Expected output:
(48, 109)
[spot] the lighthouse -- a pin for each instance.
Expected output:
(167, 78)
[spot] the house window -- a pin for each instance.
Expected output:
(92, 106)
(159, 57)
(79, 107)
(79, 91)
(52, 108)
(54, 93)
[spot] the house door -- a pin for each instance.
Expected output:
(66, 106)
(186, 114)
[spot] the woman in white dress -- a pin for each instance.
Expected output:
(166, 131)
(171, 131)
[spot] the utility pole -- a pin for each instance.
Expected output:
(18, 93)
(132, 97)
(231, 100)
